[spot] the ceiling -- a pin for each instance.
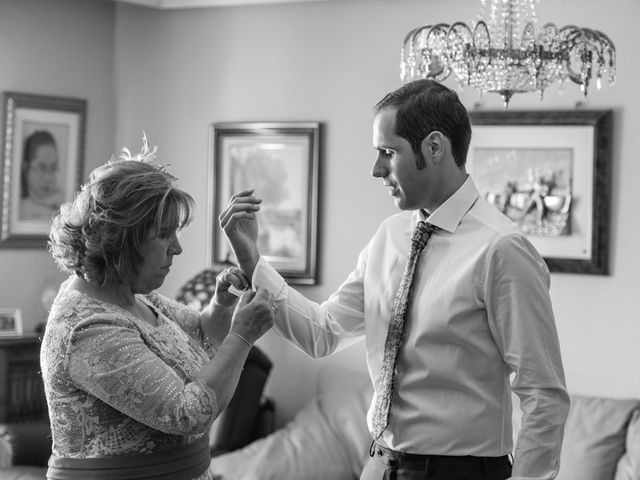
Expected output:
(174, 4)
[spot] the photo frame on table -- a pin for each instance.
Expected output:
(10, 322)
(42, 162)
(550, 171)
(280, 161)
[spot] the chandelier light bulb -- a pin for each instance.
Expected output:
(506, 52)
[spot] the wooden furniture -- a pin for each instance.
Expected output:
(21, 390)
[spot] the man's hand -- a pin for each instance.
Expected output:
(240, 226)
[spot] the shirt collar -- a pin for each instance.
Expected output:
(449, 215)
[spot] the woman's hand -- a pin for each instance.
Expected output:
(215, 319)
(254, 315)
(225, 279)
(239, 224)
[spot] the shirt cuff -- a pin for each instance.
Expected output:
(265, 276)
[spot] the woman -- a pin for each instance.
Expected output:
(134, 380)
(40, 194)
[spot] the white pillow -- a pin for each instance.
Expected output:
(344, 397)
(327, 439)
(305, 449)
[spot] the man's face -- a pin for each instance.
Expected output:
(396, 164)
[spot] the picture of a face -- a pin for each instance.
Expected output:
(40, 190)
(42, 174)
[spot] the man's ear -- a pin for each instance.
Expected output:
(434, 146)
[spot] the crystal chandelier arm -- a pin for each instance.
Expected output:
(585, 48)
(608, 51)
(423, 53)
(481, 38)
(437, 48)
(407, 55)
(460, 56)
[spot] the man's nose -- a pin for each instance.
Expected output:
(379, 168)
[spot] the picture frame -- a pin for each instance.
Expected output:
(280, 161)
(42, 163)
(555, 170)
(10, 322)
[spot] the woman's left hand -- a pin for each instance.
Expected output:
(224, 280)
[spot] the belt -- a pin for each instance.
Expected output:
(413, 460)
(179, 463)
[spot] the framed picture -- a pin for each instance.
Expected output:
(10, 322)
(550, 172)
(42, 159)
(280, 162)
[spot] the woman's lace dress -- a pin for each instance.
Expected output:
(117, 385)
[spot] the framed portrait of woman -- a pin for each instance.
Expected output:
(42, 160)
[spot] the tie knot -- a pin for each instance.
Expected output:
(421, 234)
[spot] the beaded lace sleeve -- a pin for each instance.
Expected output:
(108, 358)
(188, 319)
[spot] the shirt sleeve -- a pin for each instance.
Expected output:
(318, 329)
(522, 322)
(108, 359)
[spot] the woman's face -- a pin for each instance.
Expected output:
(42, 177)
(157, 256)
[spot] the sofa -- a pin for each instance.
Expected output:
(25, 447)
(602, 437)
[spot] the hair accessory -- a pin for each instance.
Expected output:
(144, 156)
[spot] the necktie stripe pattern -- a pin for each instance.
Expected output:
(388, 374)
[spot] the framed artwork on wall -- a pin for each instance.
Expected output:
(42, 161)
(550, 172)
(10, 322)
(280, 162)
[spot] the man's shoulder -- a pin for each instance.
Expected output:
(503, 237)
(496, 222)
(403, 217)
(396, 223)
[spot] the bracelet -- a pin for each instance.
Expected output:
(240, 337)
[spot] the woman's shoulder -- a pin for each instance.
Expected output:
(72, 309)
(74, 314)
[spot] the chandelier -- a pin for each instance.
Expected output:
(506, 52)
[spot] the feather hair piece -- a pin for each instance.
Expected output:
(145, 154)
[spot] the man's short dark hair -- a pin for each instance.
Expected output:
(424, 106)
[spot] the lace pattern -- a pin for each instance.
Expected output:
(116, 385)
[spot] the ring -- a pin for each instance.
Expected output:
(274, 307)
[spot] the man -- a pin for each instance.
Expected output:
(446, 324)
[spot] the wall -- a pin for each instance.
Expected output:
(59, 48)
(178, 71)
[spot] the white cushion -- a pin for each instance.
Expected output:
(327, 439)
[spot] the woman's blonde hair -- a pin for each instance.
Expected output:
(126, 201)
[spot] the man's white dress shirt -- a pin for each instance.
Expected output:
(480, 310)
